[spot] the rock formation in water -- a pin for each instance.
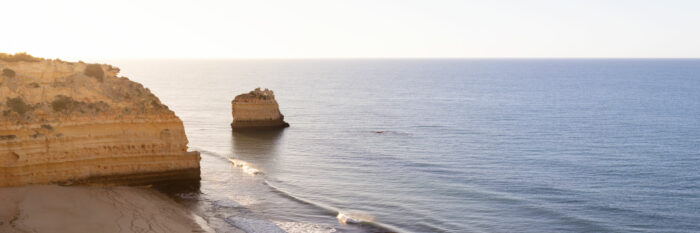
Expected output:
(63, 122)
(256, 109)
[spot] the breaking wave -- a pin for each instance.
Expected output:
(344, 217)
(247, 167)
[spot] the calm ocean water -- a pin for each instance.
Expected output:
(445, 145)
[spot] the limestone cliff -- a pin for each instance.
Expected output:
(256, 109)
(78, 122)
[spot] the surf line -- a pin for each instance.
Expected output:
(247, 168)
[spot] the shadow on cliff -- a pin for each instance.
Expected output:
(257, 146)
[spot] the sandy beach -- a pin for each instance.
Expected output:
(93, 209)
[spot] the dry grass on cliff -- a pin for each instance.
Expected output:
(110, 95)
(19, 57)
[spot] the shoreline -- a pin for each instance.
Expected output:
(52, 208)
(232, 196)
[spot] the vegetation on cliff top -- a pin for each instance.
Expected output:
(95, 71)
(256, 94)
(19, 57)
(18, 105)
(70, 94)
(8, 73)
(67, 104)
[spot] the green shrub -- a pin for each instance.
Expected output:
(67, 104)
(8, 73)
(47, 126)
(63, 103)
(17, 105)
(95, 71)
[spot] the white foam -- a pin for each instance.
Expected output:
(247, 168)
(250, 225)
(354, 218)
(203, 224)
(244, 200)
(305, 227)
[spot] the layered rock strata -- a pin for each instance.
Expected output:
(256, 109)
(63, 122)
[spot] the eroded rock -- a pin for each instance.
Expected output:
(63, 122)
(256, 109)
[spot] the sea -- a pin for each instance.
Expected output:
(442, 145)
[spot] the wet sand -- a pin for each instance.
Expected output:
(93, 209)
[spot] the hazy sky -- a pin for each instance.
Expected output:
(72, 29)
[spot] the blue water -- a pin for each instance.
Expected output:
(447, 145)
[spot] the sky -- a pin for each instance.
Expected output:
(92, 29)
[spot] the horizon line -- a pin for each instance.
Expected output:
(70, 58)
(389, 58)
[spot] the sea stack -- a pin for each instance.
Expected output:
(256, 109)
(64, 122)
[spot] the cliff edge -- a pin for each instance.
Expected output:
(64, 122)
(256, 109)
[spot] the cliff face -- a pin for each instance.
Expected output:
(78, 122)
(256, 109)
